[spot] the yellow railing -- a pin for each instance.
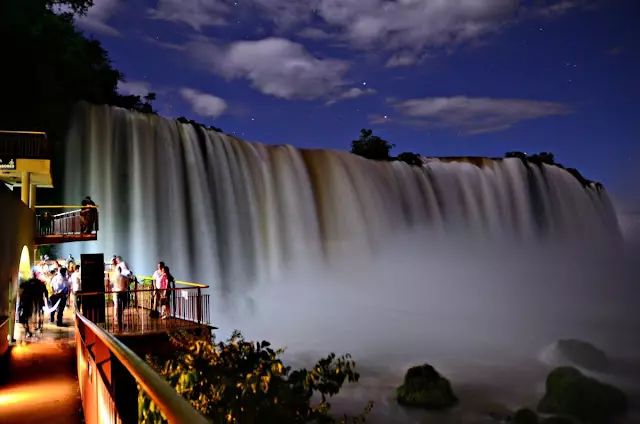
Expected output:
(110, 393)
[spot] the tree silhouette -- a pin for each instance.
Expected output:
(410, 158)
(371, 146)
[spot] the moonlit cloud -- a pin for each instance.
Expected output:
(97, 17)
(195, 13)
(407, 28)
(352, 93)
(475, 115)
(274, 66)
(204, 104)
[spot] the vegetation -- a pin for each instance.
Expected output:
(549, 159)
(49, 66)
(571, 394)
(242, 382)
(424, 387)
(376, 148)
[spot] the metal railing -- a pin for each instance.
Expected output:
(24, 145)
(143, 309)
(80, 221)
(111, 375)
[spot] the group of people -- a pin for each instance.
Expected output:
(52, 283)
(47, 290)
(120, 279)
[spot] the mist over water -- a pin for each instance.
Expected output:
(474, 269)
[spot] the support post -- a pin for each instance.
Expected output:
(32, 196)
(199, 305)
(26, 187)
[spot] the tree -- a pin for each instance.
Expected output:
(410, 158)
(242, 382)
(371, 146)
(184, 120)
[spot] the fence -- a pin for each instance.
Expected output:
(81, 220)
(142, 309)
(110, 377)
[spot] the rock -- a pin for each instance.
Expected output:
(525, 416)
(424, 387)
(583, 354)
(572, 394)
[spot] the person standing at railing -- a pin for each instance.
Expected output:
(76, 289)
(88, 215)
(60, 289)
(159, 285)
(121, 286)
(171, 291)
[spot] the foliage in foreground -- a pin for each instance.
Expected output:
(242, 382)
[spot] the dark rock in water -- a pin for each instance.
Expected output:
(584, 355)
(572, 394)
(424, 387)
(525, 416)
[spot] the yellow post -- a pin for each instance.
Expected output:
(26, 187)
(32, 196)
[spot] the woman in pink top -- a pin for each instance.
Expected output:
(160, 281)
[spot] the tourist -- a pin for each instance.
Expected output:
(60, 290)
(159, 287)
(88, 216)
(41, 299)
(170, 297)
(28, 292)
(76, 289)
(121, 287)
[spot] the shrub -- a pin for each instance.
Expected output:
(242, 382)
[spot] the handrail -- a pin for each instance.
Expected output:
(65, 206)
(184, 283)
(174, 407)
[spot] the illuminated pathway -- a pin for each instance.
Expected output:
(42, 385)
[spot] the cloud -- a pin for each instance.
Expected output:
(204, 104)
(352, 93)
(475, 115)
(135, 88)
(408, 28)
(274, 66)
(96, 18)
(194, 13)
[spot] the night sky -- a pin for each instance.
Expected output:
(436, 77)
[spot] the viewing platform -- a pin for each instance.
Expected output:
(91, 368)
(62, 224)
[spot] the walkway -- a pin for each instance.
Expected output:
(42, 384)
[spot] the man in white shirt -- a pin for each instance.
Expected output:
(60, 289)
(76, 289)
(159, 287)
(122, 280)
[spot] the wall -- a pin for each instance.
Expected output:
(17, 223)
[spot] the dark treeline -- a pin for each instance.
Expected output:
(376, 148)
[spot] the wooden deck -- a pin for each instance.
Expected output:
(43, 240)
(137, 321)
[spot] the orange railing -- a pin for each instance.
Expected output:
(111, 376)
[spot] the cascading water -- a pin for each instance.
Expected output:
(366, 256)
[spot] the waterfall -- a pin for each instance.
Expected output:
(232, 213)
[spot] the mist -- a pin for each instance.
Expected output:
(480, 312)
